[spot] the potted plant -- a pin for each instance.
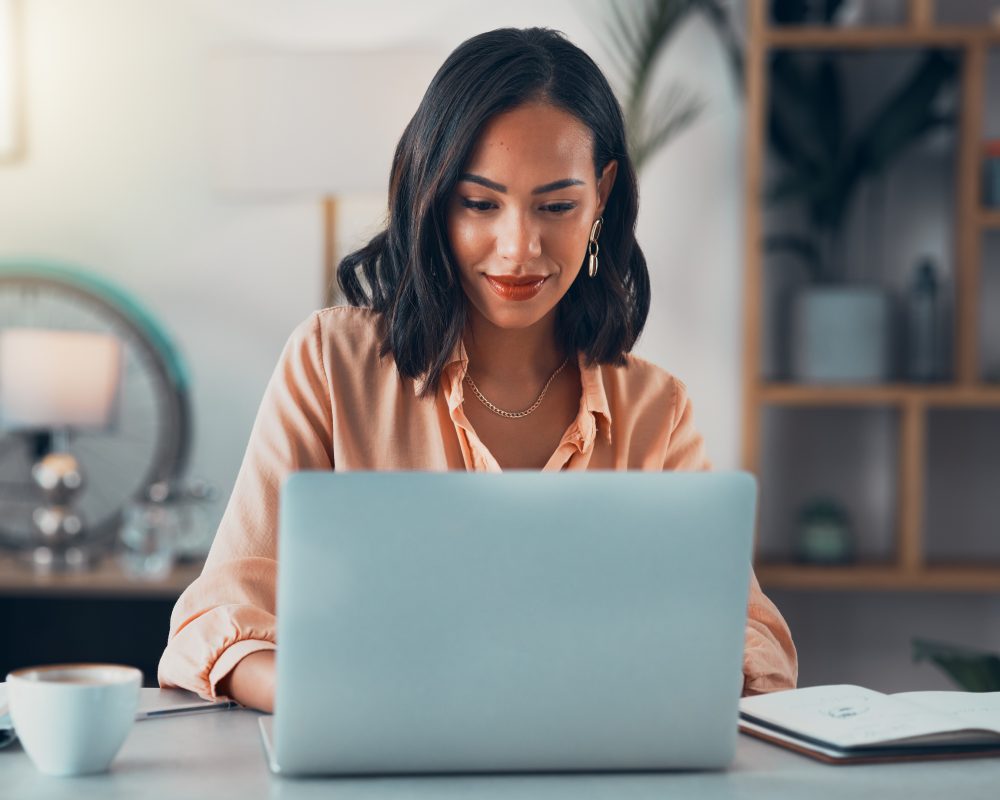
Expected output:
(840, 332)
(974, 670)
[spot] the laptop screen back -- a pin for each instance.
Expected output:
(469, 622)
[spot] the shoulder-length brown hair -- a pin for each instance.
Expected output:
(407, 273)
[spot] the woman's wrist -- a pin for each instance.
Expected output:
(251, 682)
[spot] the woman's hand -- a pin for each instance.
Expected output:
(251, 682)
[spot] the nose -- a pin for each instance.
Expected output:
(518, 239)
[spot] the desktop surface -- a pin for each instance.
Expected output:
(219, 755)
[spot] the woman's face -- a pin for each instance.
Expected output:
(520, 217)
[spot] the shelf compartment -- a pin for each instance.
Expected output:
(942, 578)
(962, 506)
(960, 12)
(875, 246)
(848, 456)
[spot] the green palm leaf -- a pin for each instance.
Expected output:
(639, 31)
(823, 165)
(908, 114)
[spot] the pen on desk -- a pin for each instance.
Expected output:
(176, 711)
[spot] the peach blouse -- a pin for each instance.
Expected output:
(333, 403)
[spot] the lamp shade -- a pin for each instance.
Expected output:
(58, 379)
(288, 124)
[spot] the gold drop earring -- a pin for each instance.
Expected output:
(593, 248)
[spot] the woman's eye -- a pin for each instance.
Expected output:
(489, 205)
(478, 205)
(559, 208)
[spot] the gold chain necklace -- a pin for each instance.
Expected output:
(515, 414)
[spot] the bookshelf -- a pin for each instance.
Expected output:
(913, 406)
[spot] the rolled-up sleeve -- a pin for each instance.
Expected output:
(770, 662)
(229, 611)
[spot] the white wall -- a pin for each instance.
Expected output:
(117, 177)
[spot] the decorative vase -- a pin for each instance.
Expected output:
(824, 535)
(924, 325)
(840, 334)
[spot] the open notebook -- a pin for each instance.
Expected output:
(152, 703)
(850, 724)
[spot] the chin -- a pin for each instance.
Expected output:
(515, 318)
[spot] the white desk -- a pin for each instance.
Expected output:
(218, 755)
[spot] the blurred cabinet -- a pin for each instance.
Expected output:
(916, 465)
(95, 616)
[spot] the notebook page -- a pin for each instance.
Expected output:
(979, 710)
(848, 716)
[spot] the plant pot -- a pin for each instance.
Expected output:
(840, 334)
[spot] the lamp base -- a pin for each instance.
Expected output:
(59, 532)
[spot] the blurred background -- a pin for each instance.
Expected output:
(820, 212)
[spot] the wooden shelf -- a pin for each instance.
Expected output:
(941, 396)
(794, 37)
(855, 577)
(107, 579)
(912, 403)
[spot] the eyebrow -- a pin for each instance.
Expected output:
(499, 187)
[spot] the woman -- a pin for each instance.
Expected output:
(489, 328)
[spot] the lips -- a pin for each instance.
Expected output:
(516, 287)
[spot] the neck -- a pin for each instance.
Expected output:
(526, 356)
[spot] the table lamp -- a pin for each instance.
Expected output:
(54, 383)
(293, 125)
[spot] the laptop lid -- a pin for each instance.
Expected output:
(524, 621)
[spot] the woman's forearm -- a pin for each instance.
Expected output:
(251, 682)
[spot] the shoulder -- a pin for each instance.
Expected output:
(640, 383)
(338, 331)
(343, 342)
(349, 327)
(653, 406)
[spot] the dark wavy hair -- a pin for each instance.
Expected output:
(407, 273)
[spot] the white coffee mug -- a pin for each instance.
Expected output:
(73, 718)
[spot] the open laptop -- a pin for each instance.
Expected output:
(525, 621)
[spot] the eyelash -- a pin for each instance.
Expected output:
(483, 206)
